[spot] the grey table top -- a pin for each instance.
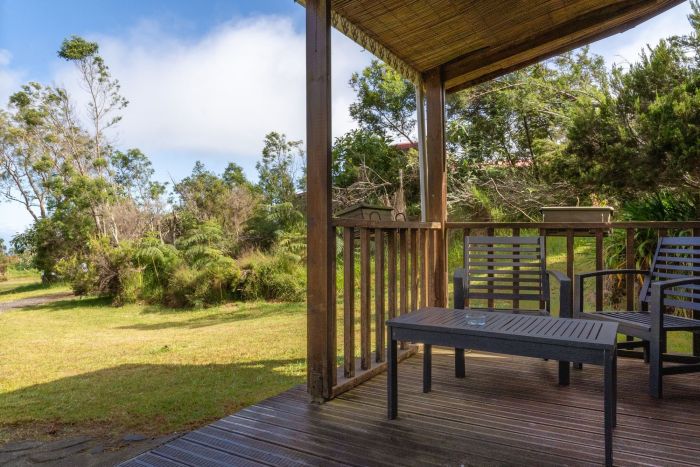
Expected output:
(508, 326)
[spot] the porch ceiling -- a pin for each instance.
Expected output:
(476, 40)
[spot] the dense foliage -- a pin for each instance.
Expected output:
(566, 131)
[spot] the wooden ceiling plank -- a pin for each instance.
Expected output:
(546, 51)
(606, 15)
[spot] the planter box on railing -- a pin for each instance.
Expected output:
(577, 214)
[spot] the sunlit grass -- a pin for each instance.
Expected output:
(83, 365)
(26, 284)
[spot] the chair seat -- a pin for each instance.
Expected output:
(643, 319)
(517, 311)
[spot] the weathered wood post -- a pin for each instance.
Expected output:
(436, 190)
(320, 235)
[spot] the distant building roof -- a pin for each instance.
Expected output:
(405, 146)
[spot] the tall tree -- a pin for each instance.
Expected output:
(280, 169)
(386, 103)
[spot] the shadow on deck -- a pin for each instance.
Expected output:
(507, 411)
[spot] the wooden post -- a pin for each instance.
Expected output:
(436, 190)
(320, 307)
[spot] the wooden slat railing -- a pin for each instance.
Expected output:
(393, 264)
(392, 261)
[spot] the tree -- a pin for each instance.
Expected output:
(204, 197)
(386, 103)
(280, 169)
(366, 168)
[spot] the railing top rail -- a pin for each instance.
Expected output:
(374, 224)
(576, 225)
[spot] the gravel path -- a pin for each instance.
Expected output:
(34, 301)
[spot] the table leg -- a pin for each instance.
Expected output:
(564, 373)
(427, 367)
(609, 398)
(392, 379)
(460, 371)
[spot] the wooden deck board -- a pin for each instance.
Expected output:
(507, 411)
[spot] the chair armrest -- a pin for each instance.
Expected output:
(460, 282)
(564, 293)
(579, 278)
(656, 305)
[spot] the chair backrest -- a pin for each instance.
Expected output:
(675, 258)
(506, 268)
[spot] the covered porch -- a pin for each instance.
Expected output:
(508, 410)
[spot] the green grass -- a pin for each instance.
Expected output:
(26, 284)
(84, 366)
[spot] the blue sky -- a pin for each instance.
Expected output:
(205, 79)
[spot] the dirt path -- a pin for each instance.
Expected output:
(34, 301)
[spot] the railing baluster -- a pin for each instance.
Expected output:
(403, 276)
(516, 276)
(365, 300)
(570, 261)
(349, 302)
(543, 233)
(599, 266)
(489, 233)
(333, 328)
(379, 295)
(629, 264)
(424, 267)
(391, 272)
(696, 313)
(414, 269)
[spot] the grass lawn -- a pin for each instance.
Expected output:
(26, 284)
(85, 366)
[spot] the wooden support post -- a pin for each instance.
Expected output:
(320, 309)
(436, 202)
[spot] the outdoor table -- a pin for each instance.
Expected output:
(563, 339)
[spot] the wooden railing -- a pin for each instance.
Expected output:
(396, 271)
(389, 268)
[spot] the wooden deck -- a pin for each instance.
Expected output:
(507, 411)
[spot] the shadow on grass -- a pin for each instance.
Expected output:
(234, 312)
(73, 302)
(31, 287)
(148, 398)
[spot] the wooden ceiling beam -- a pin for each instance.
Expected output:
(486, 63)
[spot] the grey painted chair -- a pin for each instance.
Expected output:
(508, 275)
(672, 281)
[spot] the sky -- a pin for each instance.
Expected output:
(206, 80)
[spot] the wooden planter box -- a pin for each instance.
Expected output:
(577, 214)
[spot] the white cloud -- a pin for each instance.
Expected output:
(10, 78)
(220, 94)
(624, 48)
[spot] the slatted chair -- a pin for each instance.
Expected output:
(672, 281)
(508, 275)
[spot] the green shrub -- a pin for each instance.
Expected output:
(157, 261)
(105, 270)
(210, 284)
(272, 277)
